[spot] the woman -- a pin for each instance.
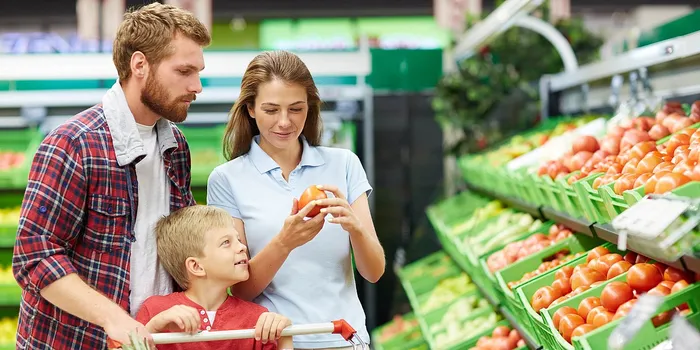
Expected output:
(300, 268)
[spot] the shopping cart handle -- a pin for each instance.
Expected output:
(336, 327)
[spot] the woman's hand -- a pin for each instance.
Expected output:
(297, 230)
(340, 209)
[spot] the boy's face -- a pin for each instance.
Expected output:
(225, 257)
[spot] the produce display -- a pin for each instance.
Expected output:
(519, 250)
(9, 217)
(545, 282)
(522, 144)
(446, 292)
(502, 338)
(11, 160)
(8, 331)
(402, 332)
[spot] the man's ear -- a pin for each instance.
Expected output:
(139, 65)
(194, 267)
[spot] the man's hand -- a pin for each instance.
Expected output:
(179, 318)
(121, 326)
(270, 326)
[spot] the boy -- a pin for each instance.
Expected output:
(201, 250)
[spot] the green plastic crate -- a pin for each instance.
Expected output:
(408, 339)
(490, 277)
(569, 198)
(652, 336)
(526, 290)
(433, 318)
(597, 339)
(206, 150)
(554, 340)
(592, 204)
(25, 141)
(469, 341)
(577, 243)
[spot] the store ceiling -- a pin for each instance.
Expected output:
(65, 9)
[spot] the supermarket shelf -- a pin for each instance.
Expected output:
(602, 231)
(608, 233)
(511, 202)
(497, 305)
(579, 225)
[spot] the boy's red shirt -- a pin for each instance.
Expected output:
(233, 314)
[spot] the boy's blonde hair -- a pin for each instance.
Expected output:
(180, 235)
(150, 30)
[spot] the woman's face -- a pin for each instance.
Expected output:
(280, 113)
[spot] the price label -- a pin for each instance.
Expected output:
(649, 218)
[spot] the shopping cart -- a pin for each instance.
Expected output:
(336, 327)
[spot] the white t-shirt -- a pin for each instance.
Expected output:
(148, 277)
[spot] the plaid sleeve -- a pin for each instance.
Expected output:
(52, 214)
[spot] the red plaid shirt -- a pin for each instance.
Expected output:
(77, 216)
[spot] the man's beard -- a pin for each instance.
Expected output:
(155, 97)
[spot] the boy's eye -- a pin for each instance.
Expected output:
(226, 242)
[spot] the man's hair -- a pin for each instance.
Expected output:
(151, 30)
(180, 236)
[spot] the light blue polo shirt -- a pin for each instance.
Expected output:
(316, 283)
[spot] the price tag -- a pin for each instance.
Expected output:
(649, 218)
(683, 335)
(629, 326)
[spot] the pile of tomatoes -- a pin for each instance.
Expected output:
(616, 298)
(502, 338)
(519, 250)
(561, 257)
(629, 156)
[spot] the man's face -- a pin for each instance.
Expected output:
(172, 85)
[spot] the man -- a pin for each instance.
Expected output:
(85, 252)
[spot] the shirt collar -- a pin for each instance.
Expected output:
(310, 156)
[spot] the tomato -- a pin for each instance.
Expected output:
(579, 160)
(587, 305)
(679, 285)
(641, 180)
(630, 167)
(514, 337)
(660, 290)
(581, 268)
(674, 275)
(615, 294)
(662, 318)
(641, 259)
(602, 318)
(596, 253)
(562, 285)
(648, 163)
(544, 297)
(684, 167)
(658, 131)
(661, 267)
(643, 277)
(650, 186)
(586, 278)
(310, 194)
(624, 183)
(113, 344)
(618, 268)
(624, 309)
(581, 330)
(665, 166)
(585, 143)
(563, 311)
(500, 331)
(667, 284)
(596, 310)
(639, 150)
(579, 290)
(670, 182)
(567, 325)
(675, 141)
(630, 257)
